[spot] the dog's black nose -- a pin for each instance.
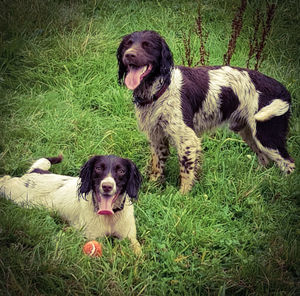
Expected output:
(130, 55)
(107, 187)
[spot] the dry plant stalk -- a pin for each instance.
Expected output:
(188, 59)
(236, 27)
(253, 42)
(265, 33)
(256, 46)
(204, 54)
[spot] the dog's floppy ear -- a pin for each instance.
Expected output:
(85, 175)
(135, 180)
(166, 58)
(122, 68)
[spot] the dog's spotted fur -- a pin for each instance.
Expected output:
(197, 99)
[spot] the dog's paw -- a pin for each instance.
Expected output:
(288, 167)
(137, 248)
(185, 188)
(153, 177)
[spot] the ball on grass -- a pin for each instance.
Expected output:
(93, 249)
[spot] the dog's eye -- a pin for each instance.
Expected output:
(145, 44)
(129, 43)
(99, 169)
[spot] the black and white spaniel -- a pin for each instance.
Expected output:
(173, 104)
(106, 184)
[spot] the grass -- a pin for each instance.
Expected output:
(236, 233)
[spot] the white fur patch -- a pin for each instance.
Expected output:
(276, 108)
(111, 181)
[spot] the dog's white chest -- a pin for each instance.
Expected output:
(153, 118)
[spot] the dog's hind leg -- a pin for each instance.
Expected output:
(280, 156)
(271, 130)
(270, 139)
(246, 135)
(286, 165)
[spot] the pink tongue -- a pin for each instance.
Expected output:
(133, 77)
(106, 206)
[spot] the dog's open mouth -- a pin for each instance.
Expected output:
(106, 203)
(135, 75)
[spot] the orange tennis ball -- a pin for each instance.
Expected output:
(93, 249)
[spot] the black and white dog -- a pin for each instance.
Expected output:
(176, 103)
(106, 184)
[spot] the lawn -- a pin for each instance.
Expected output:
(235, 233)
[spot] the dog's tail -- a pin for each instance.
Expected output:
(276, 108)
(42, 165)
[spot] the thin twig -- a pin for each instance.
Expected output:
(236, 27)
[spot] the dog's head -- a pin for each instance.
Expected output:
(109, 177)
(143, 56)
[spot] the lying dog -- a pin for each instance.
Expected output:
(176, 103)
(106, 184)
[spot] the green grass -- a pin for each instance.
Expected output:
(236, 233)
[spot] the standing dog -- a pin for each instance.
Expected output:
(176, 103)
(106, 183)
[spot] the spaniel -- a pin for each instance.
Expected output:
(98, 202)
(174, 104)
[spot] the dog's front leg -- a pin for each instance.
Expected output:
(132, 237)
(136, 247)
(189, 150)
(159, 155)
(126, 227)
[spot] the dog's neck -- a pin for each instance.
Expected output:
(148, 93)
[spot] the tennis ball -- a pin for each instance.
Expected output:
(93, 249)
